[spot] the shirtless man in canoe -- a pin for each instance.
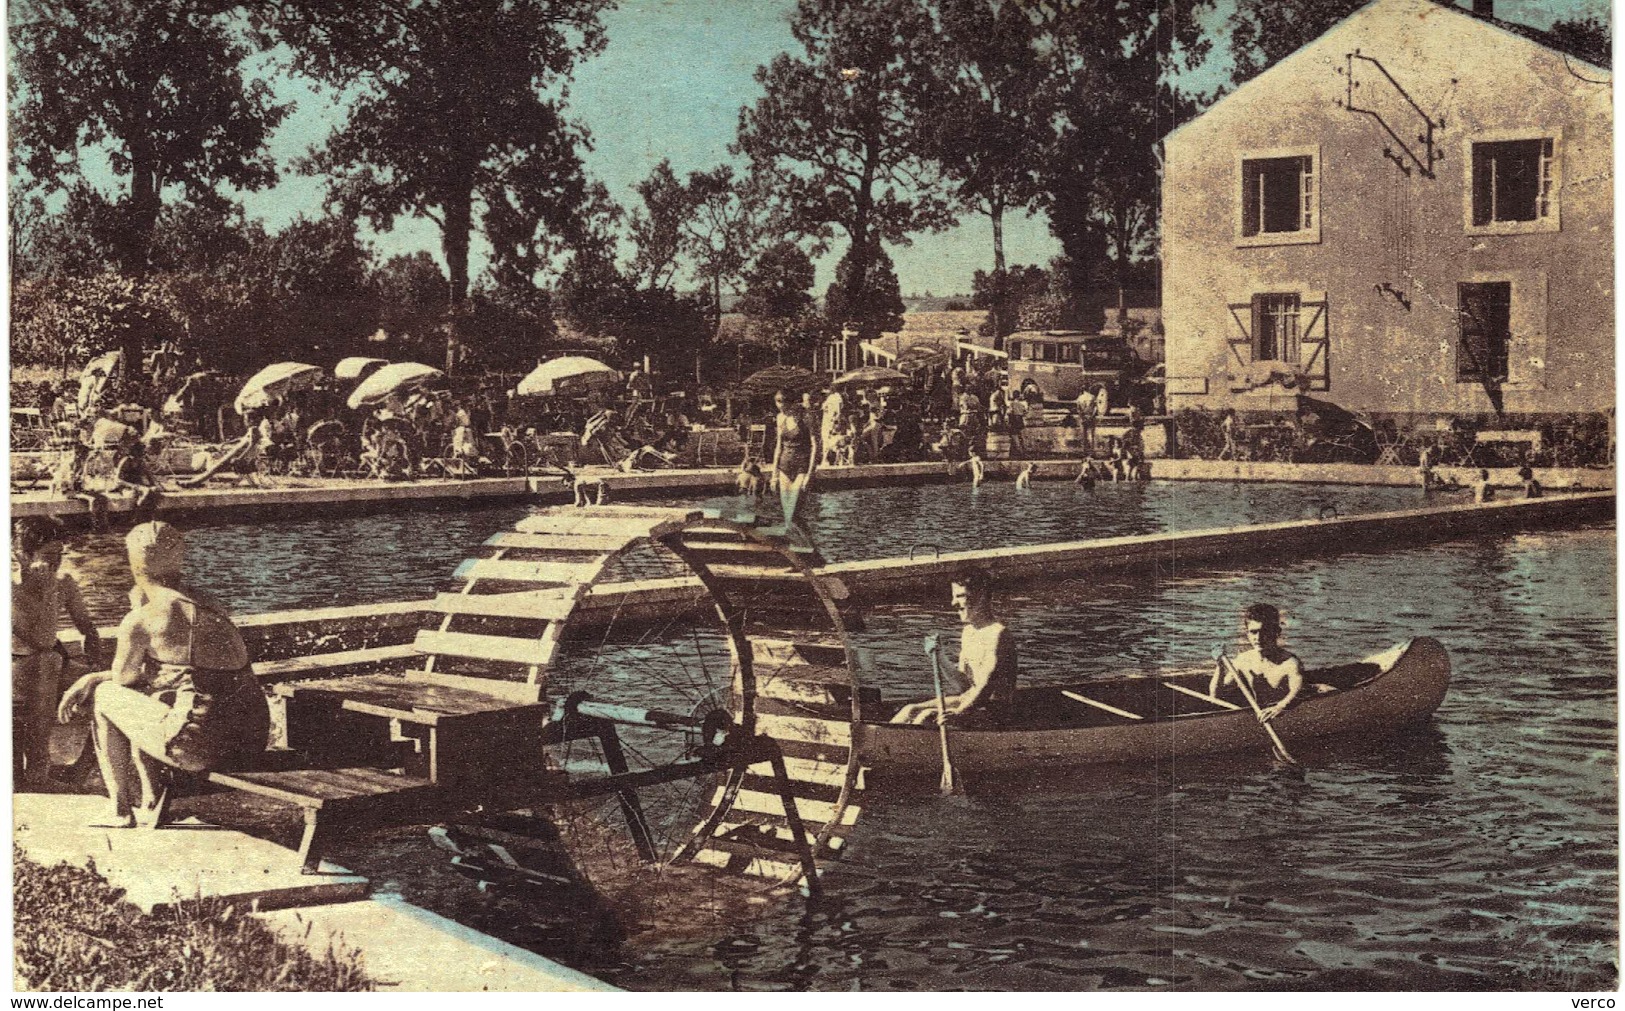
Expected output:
(987, 658)
(1273, 673)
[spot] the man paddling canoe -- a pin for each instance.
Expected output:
(987, 657)
(1272, 672)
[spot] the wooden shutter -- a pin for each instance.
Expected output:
(1241, 338)
(1315, 346)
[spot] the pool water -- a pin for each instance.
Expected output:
(321, 561)
(1476, 851)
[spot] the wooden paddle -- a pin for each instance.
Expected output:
(950, 781)
(1247, 692)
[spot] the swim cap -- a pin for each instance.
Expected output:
(156, 549)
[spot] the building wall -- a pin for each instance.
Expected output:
(1379, 226)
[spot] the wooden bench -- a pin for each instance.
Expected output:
(336, 801)
(464, 727)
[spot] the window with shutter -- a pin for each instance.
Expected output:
(1484, 318)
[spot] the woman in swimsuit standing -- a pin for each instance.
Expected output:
(181, 691)
(795, 455)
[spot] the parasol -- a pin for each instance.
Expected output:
(570, 374)
(357, 368)
(270, 384)
(871, 375)
(780, 377)
(390, 380)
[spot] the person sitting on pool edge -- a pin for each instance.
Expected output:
(1267, 664)
(181, 691)
(987, 657)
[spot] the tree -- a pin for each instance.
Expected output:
(879, 307)
(723, 231)
(159, 86)
(66, 321)
(517, 322)
(1110, 100)
(1003, 293)
(778, 301)
(77, 241)
(323, 305)
(459, 107)
(1590, 39)
(990, 125)
(840, 136)
(1264, 32)
(990, 122)
(657, 229)
(411, 294)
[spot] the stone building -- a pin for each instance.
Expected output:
(1410, 216)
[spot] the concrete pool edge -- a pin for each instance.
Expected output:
(292, 644)
(382, 496)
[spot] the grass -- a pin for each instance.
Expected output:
(74, 932)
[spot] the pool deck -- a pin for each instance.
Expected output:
(403, 947)
(303, 496)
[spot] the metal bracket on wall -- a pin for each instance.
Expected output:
(1406, 155)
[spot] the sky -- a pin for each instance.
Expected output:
(670, 84)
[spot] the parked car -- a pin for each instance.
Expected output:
(1063, 363)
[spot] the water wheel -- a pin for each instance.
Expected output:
(703, 691)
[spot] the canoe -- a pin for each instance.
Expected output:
(1058, 727)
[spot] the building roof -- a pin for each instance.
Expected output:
(1526, 33)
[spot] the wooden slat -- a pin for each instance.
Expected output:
(550, 573)
(827, 752)
(729, 545)
(542, 605)
(480, 647)
(809, 771)
(798, 728)
(322, 787)
(755, 867)
(326, 663)
(556, 541)
(797, 691)
(629, 511)
(810, 648)
(820, 811)
(802, 789)
(1193, 693)
(512, 691)
(778, 830)
(752, 573)
(407, 696)
(1086, 700)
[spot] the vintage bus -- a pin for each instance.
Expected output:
(1065, 362)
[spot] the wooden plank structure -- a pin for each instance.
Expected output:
(469, 724)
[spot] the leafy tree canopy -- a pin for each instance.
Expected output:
(880, 307)
(158, 84)
(461, 104)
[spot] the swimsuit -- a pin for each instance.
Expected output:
(215, 716)
(795, 446)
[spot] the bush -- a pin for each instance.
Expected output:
(1199, 433)
(73, 931)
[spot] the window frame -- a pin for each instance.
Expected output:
(1553, 221)
(1310, 202)
(1474, 378)
(1287, 352)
